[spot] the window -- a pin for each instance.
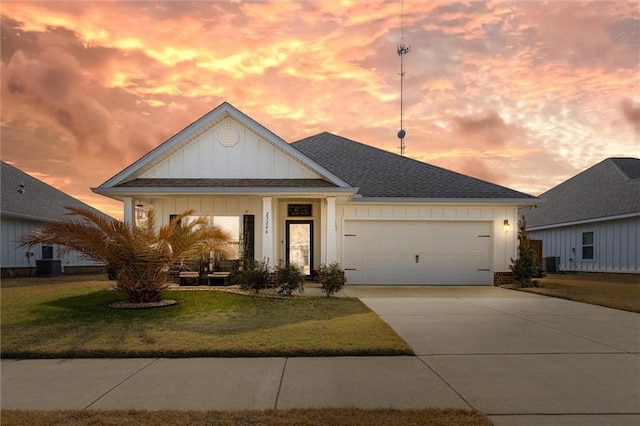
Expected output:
(587, 246)
(230, 224)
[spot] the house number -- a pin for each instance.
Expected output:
(266, 223)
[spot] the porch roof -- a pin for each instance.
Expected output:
(199, 186)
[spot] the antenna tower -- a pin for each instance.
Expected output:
(402, 50)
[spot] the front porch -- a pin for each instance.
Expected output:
(299, 228)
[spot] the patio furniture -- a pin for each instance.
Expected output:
(189, 273)
(222, 272)
(214, 277)
(189, 277)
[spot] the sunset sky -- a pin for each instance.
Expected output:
(521, 93)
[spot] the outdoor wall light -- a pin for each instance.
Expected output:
(507, 226)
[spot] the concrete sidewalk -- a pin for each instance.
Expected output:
(518, 357)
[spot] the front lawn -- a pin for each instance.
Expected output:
(74, 320)
(326, 416)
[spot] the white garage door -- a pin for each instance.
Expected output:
(417, 252)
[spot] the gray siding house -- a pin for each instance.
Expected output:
(26, 203)
(591, 222)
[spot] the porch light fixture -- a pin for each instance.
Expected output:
(506, 225)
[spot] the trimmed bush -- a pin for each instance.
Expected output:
(253, 275)
(331, 277)
(288, 278)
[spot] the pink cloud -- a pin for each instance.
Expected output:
(493, 89)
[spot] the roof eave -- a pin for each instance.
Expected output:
(583, 221)
(118, 193)
(12, 215)
(520, 202)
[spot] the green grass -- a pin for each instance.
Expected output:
(310, 417)
(74, 320)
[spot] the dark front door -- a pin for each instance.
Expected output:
(300, 244)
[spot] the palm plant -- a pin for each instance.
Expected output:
(141, 256)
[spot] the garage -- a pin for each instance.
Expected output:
(417, 252)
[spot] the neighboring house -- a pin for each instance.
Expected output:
(385, 218)
(27, 202)
(591, 222)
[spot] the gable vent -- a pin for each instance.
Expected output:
(228, 137)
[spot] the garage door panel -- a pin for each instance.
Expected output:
(449, 253)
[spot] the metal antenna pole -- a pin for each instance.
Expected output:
(402, 50)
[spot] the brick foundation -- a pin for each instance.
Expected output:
(503, 278)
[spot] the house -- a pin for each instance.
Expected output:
(27, 203)
(385, 218)
(591, 222)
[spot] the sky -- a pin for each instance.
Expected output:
(524, 94)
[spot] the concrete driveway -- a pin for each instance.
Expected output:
(519, 357)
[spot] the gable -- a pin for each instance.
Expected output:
(230, 149)
(223, 144)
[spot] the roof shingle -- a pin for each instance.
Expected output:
(39, 201)
(379, 173)
(609, 188)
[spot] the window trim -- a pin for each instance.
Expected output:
(592, 245)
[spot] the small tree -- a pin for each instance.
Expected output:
(288, 278)
(140, 256)
(331, 278)
(524, 268)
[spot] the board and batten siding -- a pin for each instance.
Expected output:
(616, 246)
(504, 243)
(250, 157)
(12, 256)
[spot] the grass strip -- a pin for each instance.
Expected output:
(615, 292)
(296, 417)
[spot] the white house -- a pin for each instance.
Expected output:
(27, 203)
(591, 222)
(385, 218)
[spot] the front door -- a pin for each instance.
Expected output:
(300, 244)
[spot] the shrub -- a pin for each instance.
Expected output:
(253, 275)
(331, 277)
(524, 268)
(288, 278)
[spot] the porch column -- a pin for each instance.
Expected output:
(332, 230)
(267, 230)
(129, 211)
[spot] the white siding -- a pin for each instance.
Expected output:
(250, 157)
(616, 246)
(502, 245)
(12, 256)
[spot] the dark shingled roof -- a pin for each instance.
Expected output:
(380, 173)
(610, 188)
(39, 201)
(226, 183)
